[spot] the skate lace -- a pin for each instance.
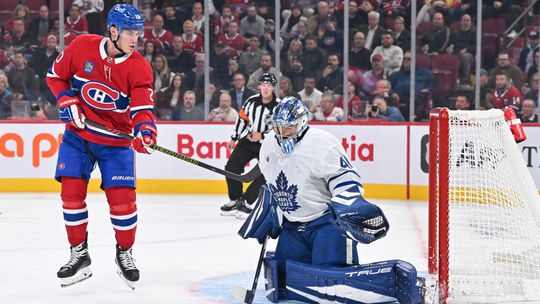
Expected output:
(77, 253)
(127, 260)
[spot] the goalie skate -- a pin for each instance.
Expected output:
(127, 270)
(77, 269)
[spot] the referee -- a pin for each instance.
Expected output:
(254, 121)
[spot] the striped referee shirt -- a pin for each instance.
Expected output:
(254, 116)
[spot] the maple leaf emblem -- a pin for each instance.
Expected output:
(285, 195)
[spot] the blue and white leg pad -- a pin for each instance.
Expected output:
(271, 282)
(380, 282)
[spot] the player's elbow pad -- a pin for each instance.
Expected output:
(357, 218)
(265, 218)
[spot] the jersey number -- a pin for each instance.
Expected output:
(344, 163)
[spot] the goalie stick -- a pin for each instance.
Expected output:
(247, 296)
(245, 178)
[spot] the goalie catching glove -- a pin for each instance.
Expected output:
(265, 219)
(358, 219)
(69, 106)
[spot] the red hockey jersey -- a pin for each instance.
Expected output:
(114, 89)
(510, 97)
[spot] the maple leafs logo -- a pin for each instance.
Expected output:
(285, 195)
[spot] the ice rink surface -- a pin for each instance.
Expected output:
(186, 251)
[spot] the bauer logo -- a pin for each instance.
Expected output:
(122, 178)
(100, 96)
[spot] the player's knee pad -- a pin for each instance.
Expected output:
(369, 283)
(122, 207)
(273, 292)
(408, 288)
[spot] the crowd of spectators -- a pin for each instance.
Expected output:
(311, 34)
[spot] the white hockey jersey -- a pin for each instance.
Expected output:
(304, 181)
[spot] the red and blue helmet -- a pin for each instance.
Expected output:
(125, 17)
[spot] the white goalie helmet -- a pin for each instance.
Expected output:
(290, 120)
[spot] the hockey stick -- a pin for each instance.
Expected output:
(245, 178)
(247, 296)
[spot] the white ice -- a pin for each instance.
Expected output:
(186, 251)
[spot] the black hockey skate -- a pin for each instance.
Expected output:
(230, 208)
(127, 270)
(77, 268)
(243, 210)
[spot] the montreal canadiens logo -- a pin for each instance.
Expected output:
(100, 96)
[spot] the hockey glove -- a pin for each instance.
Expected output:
(69, 106)
(358, 219)
(145, 135)
(265, 219)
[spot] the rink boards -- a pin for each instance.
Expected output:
(391, 157)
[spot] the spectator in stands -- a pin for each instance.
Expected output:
(191, 112)
(372, 76)
(161, 37)
(22, 78)
(20, 11)
(505, 66)
(330, 38)
(225, 112)
(251, 58)
(485, 90)
(219, 60)
(401, 80)
(392, 55)
(435, 41)
(5, 98)
(528, 112)
(92, 11)
(372, 31)
(192, 42)
(264, 11)
(252, 24)
(319, 18)
(41, 61)
(302, 32)
(18, 37)
(294, 51)
(463, 44)
(326, 110)
(75, 21)
(297, 74)
(391, 8)
(285, 88)
(179, 61)
(213, 94)
(198, 18)
(234, 67)
(402, 36)
(381, 109)
(506, 94)
(356, 111)
(290, 25)
(269, 45)
(332, 76)
(239, 92)
(313, 57)
(234, 42)
(462, 102)
(525, 60)
(169, 99)
(464, 7)
(533, 69)
(360, 56)
(41, 26)
(383, 88)
(266, 67)
(195, 78)
(163, 75)
(530, 90)
(149, 51)
(222, 22)
(170, 22)
(356, 18)
(310, 96)
(238, 7)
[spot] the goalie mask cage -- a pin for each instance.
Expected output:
(484, 211)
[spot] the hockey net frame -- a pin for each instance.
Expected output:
(484, 240)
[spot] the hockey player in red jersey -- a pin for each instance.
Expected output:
(506, 94)
(103, 79)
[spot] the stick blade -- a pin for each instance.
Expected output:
(240, 293)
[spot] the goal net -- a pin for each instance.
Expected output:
(484, 211)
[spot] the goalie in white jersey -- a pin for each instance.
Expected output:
(313, 200)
